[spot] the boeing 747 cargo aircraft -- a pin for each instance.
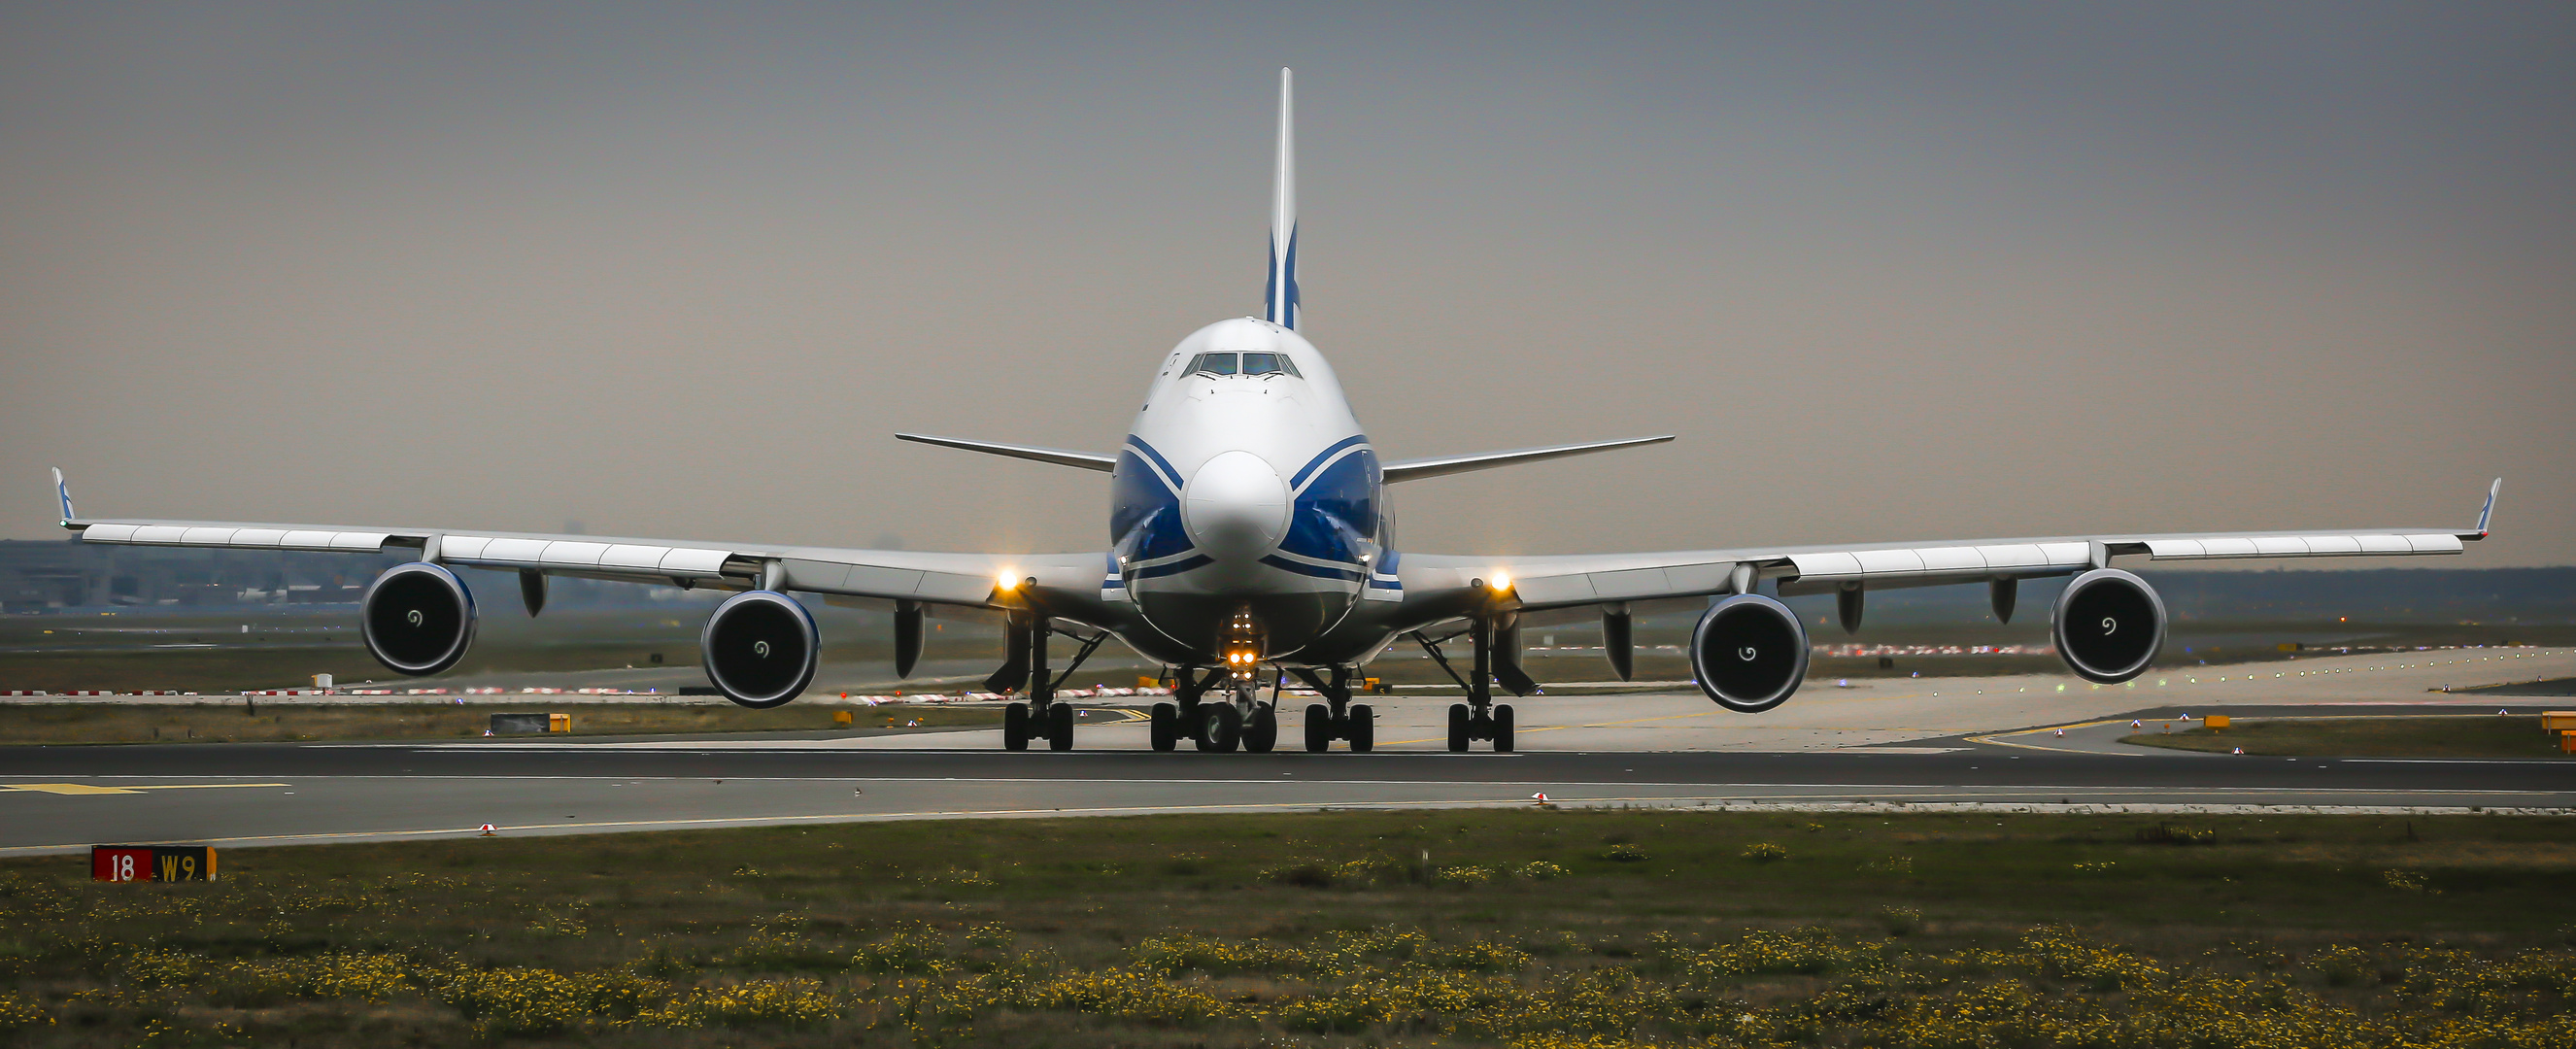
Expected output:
(1249, 538)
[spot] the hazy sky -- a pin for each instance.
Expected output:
(1917, 272)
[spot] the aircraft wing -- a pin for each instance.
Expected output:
(1591, 579)
(906, 575)
(1416, 469)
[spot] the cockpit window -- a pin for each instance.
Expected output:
(1243, 364)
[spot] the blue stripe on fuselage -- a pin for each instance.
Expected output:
(1334, 513)
(1336, 509)
(1144, 511)
(1176, 567)
(1384, 576)
(1171, 477)
(1351, 574)
(1300, 477)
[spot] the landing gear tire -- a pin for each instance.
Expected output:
(1263, 733)
(1319, 729)
(1015, 727)
(1502, 730)
(1201, 724)
(1462, 727)
(1167, 732)
(1363, 728)
(1224, 728)
(1061, 735)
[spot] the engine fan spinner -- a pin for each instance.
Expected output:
(761, 648)
(1749, 653)
(2108, 625)
(417, 619)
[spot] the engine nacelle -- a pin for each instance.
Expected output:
(417, 619)
(761, 648)
(2108, 625)
(1749, 653)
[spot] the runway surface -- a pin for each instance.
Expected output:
(1985, 741)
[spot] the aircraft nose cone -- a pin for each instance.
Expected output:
(1235, 507)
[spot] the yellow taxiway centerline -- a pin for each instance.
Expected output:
(1995, 738)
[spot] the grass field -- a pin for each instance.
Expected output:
(1532, 928)
(2447, 736)
(237, 722)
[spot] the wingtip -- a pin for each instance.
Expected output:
(2487, 512)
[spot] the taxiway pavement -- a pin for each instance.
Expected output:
(1912, 742)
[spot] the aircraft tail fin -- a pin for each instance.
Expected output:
(1281, 302)
(63, 495)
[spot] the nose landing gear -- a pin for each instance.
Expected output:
(1238, 721)
(1261, 731)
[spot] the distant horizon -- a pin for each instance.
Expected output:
(1889, 274)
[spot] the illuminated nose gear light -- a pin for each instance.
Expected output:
(1242, 646)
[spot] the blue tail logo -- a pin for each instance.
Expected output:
(63, 495)
(1282, 309)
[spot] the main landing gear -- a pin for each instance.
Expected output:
(1026, 660)
(1337, 717)
(1467, 724)
(1480, 718)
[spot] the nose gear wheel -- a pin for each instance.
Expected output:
(1220, 727)
(1262, 733)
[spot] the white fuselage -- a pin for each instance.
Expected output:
(1246, 504)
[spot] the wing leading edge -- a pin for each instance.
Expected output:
(903, 575)
(1569, 581)
(1417, 469)
(945, 578)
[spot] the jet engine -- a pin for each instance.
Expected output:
(760, 648)
(1749, 653)
(2108, 625)
(417, 619)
